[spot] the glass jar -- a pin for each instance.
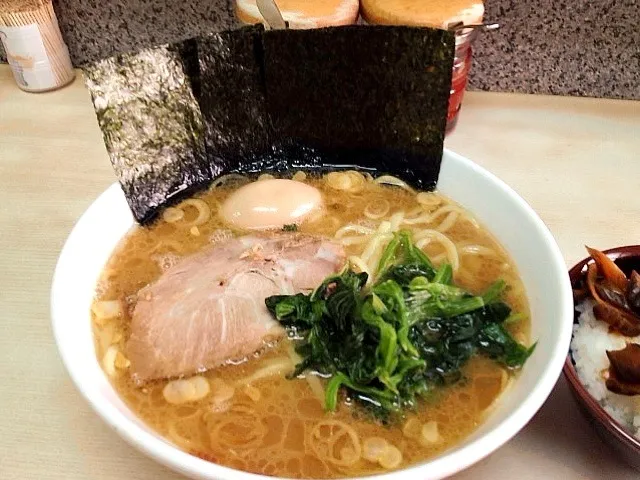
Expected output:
(36, 53)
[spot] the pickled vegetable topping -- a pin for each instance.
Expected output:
(617, 303)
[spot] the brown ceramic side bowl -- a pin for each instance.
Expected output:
(611, 432)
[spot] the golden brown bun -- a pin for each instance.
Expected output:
(304, 13)
(432, 13)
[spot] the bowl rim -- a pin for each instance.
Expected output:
(598, 412)
(513, 422)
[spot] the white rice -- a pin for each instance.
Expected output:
(591, 339)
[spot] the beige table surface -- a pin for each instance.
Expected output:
(575, 160)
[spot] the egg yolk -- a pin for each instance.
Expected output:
(270, 204)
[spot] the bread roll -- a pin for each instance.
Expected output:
(304, 13)
(432, 13)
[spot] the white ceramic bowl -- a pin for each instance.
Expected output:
(499, 208)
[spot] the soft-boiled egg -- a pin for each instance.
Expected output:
(271, 204)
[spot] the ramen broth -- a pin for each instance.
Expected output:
(276, 426)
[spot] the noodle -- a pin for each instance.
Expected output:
(478, 250)
(428, 199)
(374, 243)
(377, 209)
(372, 255)
(471, 220)
(187, 412)
(224, 179)
(353, 228)
(238, 428)
(275, 367)
(438, 259)
(299, 176)
(357, 262)
(430, 217)
(368, 260)
(312, 380)
(338, 181)
(204, 211)
(425, 236)
(357, 180)
(506, 383)
(396, 220)
(178, 439)
(448, 222)
(415, 211)
(173, 215)
(351, 180)
(353, 240)
(326, 434)
(395, 181)
(463, 275)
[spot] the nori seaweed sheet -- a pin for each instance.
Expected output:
(368, 97)
(188, 50)
(152, 127)
(232, 96)
(373, 97)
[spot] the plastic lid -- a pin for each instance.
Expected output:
(431, 13)
(304, 13)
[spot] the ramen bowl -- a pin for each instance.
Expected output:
(513, 223)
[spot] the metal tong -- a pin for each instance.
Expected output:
(478, 27)
(272, 15)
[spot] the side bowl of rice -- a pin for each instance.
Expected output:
(616, 418)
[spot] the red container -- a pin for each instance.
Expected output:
(461, 67)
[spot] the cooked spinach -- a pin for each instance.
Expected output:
(290, 227)
(396, 341)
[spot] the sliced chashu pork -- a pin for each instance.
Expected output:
(209, 308)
